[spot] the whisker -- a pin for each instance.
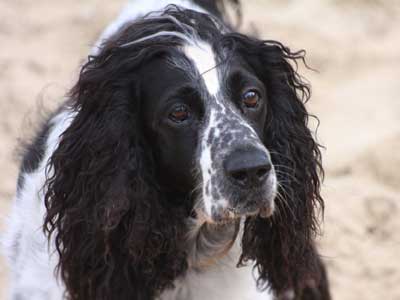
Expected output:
(283, 199)
(283, 166)
(284, 174)
(281, 155)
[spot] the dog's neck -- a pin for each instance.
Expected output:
(206, 243)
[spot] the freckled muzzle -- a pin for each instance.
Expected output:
(248, 183)
(238, 175)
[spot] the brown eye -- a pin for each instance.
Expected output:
(179, 113)
(251, 98)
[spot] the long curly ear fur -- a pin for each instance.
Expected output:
(283, 246)
(114, 231)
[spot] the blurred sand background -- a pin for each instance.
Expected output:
(354, 45)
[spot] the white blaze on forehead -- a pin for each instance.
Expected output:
(203, 57)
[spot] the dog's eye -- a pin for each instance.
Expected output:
(179, 113)
(251, 98)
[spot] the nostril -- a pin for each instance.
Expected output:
(239, 175)
(262, 171)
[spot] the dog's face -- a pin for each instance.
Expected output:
(206, 118)
(175, 106)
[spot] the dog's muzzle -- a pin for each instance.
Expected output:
(250, 183)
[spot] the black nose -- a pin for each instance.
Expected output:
(248, 168)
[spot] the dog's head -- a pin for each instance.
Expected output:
(178, 111)
(205, 113)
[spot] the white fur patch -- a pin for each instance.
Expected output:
(203, 57)
(204, 60)
(32, 264)
(157, 35)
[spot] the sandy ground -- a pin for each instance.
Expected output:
(354, 45)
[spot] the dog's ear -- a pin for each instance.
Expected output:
(283, 245)
(113, 232)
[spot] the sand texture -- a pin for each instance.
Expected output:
(353, 44)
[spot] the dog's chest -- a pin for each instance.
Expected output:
(218, 282)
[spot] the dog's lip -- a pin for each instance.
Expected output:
(266, 211)
(230, 214)
(226, 217)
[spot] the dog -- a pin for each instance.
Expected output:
(181, 166)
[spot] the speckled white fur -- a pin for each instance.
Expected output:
(204, 60)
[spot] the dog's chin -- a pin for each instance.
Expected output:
(265, 210)
(232, 214)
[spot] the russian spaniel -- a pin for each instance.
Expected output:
(180, 167)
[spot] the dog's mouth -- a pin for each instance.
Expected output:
(265, 210)
(229, 214)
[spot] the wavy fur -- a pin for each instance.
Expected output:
(118, 233)
(114, 232)
(283, 246)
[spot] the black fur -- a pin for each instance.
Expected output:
(118, 233)
(286, 257)
(32, 154)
